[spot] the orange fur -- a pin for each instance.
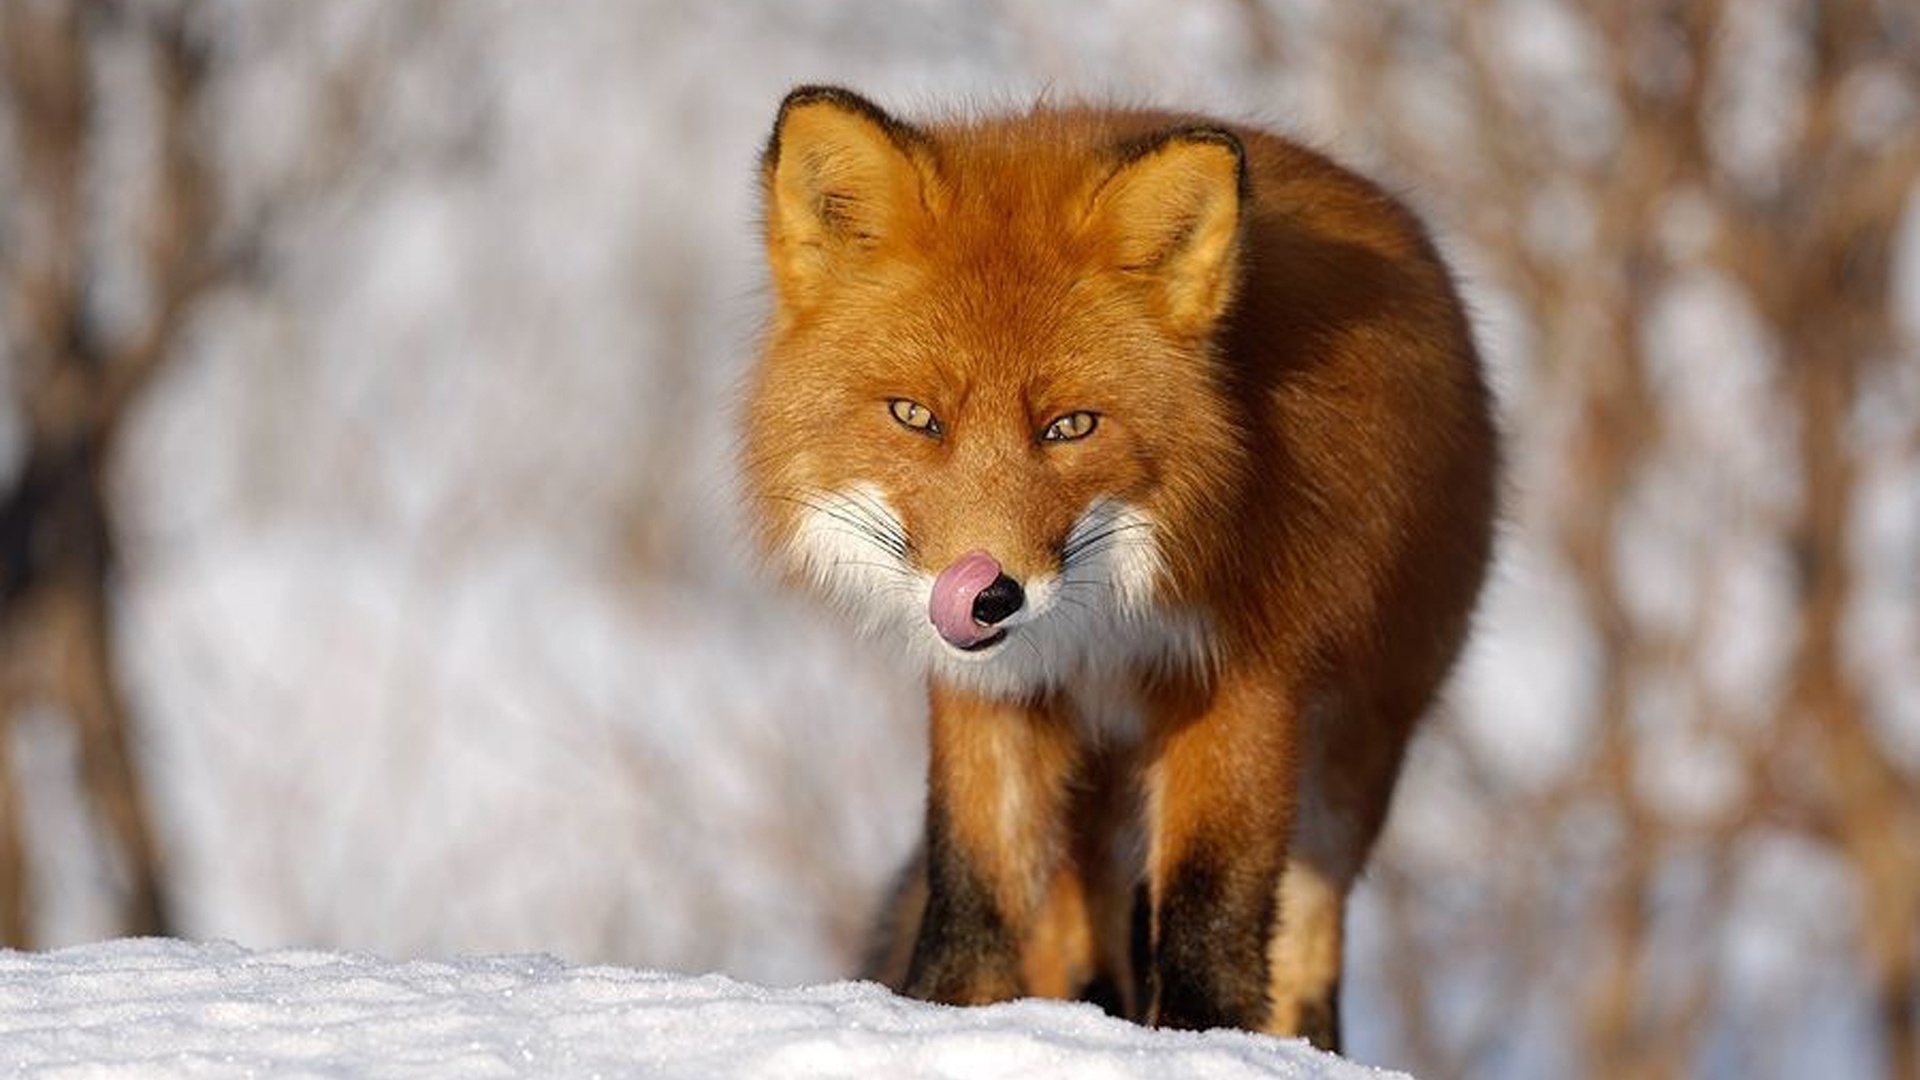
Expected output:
(1290, 479)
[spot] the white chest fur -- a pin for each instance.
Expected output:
(1108, 708)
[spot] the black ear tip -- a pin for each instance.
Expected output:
(836, 96)
(844, 100)
(1189, 134)
(1220, 136)
(812, 93)
(802, 96)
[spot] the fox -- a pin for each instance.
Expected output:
(1162, 447)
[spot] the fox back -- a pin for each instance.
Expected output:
(1161, 446)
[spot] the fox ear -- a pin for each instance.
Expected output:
(841, 178)
(1170, 212)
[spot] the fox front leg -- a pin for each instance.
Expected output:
(1220, 804)
(997, 795)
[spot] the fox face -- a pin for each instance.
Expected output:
(988, 422)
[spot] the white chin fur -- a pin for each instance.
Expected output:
(1091, 623)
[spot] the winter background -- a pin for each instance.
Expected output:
(397, 340)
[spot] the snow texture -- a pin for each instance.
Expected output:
(157, 1008)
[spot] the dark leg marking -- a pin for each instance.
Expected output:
(1210, 959)
(1103, 991)
(1140, 946)
(1320, 1021)
(966, 953)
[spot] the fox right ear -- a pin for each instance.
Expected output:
(1171, 214)
(841, 180)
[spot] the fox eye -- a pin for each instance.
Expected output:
(914, 415)
(1074, 425)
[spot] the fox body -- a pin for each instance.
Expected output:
(1162, 446)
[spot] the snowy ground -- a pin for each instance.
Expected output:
(158, 1008)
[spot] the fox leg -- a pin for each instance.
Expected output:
(1057, 955)
(1352, 750)
(889, 946)
(1305, 958)
(997, 795)
(1080, 946)
(1330, 842)
(1061, 956)
(1219, 809)
(1110, 850)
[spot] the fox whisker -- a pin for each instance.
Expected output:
(1078, 548)
(849, 515)
(891, 568)
(857, 503)
(880, 517)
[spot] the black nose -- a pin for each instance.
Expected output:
(997, 601)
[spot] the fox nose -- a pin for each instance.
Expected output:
(998, 600)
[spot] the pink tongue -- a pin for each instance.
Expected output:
(951, 607)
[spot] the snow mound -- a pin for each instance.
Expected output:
(160, 1008)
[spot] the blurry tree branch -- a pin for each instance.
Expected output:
(75, 378)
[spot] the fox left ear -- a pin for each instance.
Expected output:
(1171, 213)
(841, 179)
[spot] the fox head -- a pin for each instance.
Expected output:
(989, 418)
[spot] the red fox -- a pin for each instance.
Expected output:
(1161, 444)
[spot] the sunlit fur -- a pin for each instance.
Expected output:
(1246, 577)
(1091, 621)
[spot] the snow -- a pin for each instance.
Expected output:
(156, 1008)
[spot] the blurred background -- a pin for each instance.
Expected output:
(369, 565)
